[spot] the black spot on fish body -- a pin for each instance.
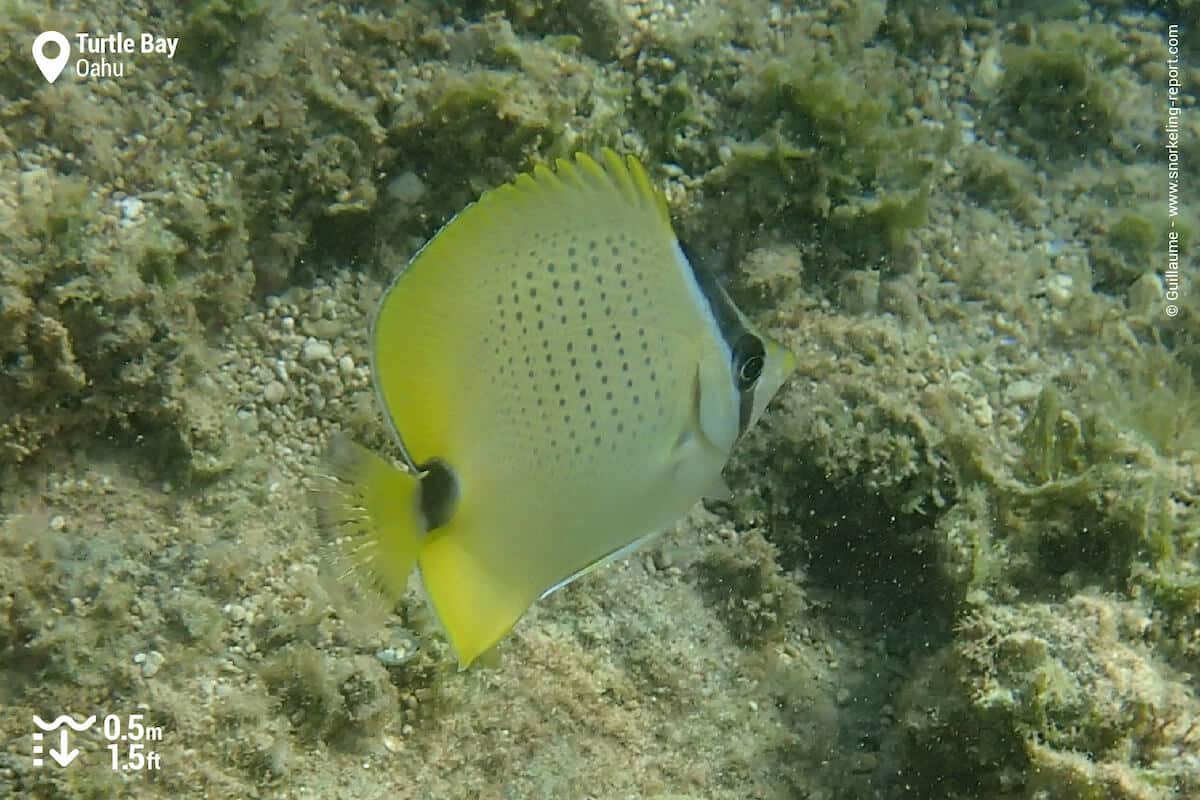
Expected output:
(438, 494)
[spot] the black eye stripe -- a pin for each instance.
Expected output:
(747, 350)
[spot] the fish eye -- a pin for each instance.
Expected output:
(749, 357)
(750, 371)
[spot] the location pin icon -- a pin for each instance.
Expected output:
(51, 67)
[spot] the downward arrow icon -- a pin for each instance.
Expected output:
(62, 755)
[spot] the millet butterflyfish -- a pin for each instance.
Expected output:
(563, 384)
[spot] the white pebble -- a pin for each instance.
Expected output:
(316, 350)
(316, 400)
(1059, 289)
(275, 392)
(150, 662)
(406, 188)
(982, 412)
(346, 365)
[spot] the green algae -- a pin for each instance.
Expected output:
(830, 140)
(593, 26)
(914, 25)
(744, 583)
(1000, 180)
(1059, 91)
(1062, 698)
(214, 30)
(1052, 439)
(1164, 412)
(339, 702)
(1133, 241)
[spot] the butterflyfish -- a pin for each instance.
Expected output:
(563, 384)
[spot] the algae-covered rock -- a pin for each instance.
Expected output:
(139, 224)
(823, 140)
(1060, 700)
(101, 299)
(999, 179)
(1059, 90)
(597, 26)
(743, 581)
(343, 701)
(1130, 241)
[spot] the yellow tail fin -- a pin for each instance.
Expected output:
(374, 510)
(478, 598)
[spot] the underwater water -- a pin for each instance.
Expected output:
(960, 552)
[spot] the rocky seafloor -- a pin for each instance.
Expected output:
(961, 556)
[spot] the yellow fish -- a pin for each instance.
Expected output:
(563, 384)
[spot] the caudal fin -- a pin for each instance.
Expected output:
(478, 594)
(373, 510)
